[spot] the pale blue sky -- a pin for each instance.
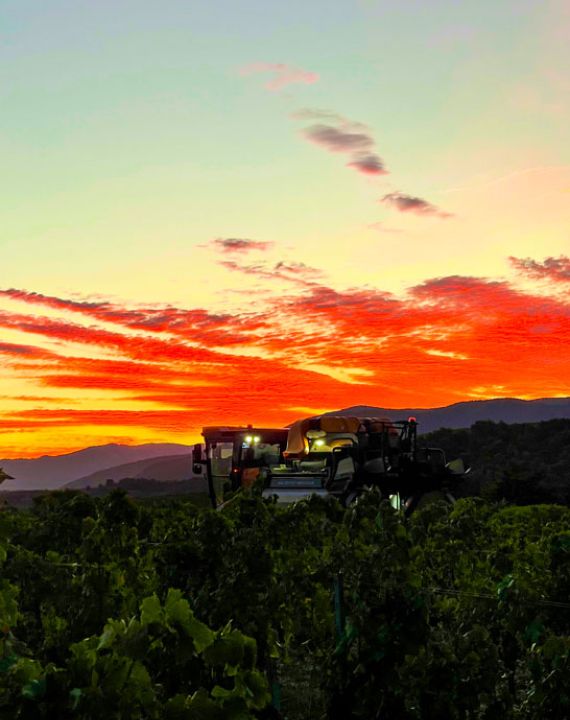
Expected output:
(127, 133)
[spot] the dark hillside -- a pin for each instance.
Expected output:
(524, 463)
(163, 469)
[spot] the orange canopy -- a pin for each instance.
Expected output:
(297, 443)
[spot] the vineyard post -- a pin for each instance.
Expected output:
(276, 695)
(339, 604)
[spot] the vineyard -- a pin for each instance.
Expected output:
(124, 611)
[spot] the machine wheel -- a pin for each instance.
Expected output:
(417, 502)
(350, 498)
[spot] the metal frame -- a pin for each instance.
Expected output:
(236, 436)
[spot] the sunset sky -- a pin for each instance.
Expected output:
(239, 211)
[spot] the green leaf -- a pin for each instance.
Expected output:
(401, 532)
(8, 605)
(178, 612)
(34, 689)
(223, 693)
(250, 652)
(202, 707)
(349, 634)
(75, 696)
(151, 611)
(553, 648)
(107, 638)
(502, 588)
(7, 662)
(177, 609)
(84, 655)
(200, 634)
(177, 708)
(533, 631)
(259, 695)
(226, 651)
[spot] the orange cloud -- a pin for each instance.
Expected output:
(169, 370)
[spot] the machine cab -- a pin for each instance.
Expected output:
(235, 457)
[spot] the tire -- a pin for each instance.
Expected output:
(350, 498)
(417, 502)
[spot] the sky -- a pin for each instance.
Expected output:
(244, 212)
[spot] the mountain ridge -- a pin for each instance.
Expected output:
(164, 468)
(50, 472)
(465, 413)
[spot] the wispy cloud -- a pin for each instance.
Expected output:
(381, 228)
(341, 135)
(196, 323)
(553, 269)
(338, 134)
(329, 116)
(283, 75)
(293, 272)
(240, 245)
(16, 350)
(336, 140)
(411, 204)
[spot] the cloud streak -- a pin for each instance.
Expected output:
(292, 272)
(336, 140)
(411, 204)
(240, 245)
(340, 135)
(553, 269)
(283, 75)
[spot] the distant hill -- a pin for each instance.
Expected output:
(163, 469)
(54, 471)
(465, 414)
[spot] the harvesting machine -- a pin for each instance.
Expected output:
(341, 456)
(329, 455)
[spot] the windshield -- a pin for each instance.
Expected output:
(220, 456)
(261, 454)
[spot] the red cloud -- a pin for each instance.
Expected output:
(283, 75)
(444, 340)
(51, 301)
(196, 324)
(19, 351)
(555, 269)
(240, 245)
(160, 420)
(369, 164)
